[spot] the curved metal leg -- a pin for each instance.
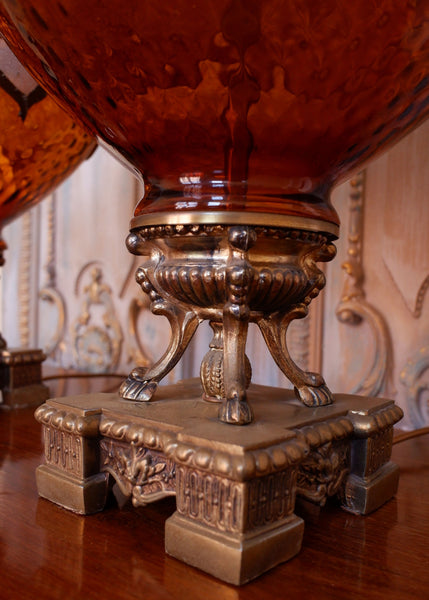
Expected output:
(310, 388)
(235, 409)
(142, 382)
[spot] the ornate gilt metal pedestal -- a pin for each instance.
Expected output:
(235, 487)
(231, 275)
(21, 378)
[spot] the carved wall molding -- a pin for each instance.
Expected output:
(49, 293)
(415, 377)
(24, 279)
(404, 183)
(418, 309)
(353, 308)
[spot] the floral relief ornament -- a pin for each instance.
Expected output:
(139, 472)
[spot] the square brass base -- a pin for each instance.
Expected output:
(21, 378)
(235, 487)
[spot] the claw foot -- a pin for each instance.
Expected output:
(314, 396)
(235, 411)
(136, 388)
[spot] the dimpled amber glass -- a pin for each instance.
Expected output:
(248, 105)
(40, 145)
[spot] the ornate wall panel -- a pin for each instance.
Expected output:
(354, 309)
(380, 332)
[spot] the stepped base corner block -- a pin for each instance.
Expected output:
(235, 487)
(235, 559)
(21, 378)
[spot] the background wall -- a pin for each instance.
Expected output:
(68, 284)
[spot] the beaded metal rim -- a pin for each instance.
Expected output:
(235, 218)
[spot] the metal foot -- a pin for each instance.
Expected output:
(235, 411)
(136, 387)
(314, 396)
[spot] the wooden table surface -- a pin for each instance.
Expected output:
(49, 553)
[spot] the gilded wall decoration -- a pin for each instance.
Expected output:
(96, 338)
(353, 308)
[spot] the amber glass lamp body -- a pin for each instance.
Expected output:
(230, 105)
(40, 145)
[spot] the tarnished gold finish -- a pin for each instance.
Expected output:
(231, 276)
(235, 218)
(21, 377)
(235, 488)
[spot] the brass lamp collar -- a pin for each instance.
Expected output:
(235, 218)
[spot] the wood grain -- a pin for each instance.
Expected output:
(49, 553)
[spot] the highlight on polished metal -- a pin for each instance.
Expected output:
(235, 218)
